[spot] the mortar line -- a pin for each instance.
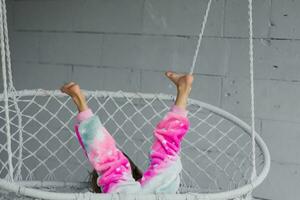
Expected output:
(285, 163)
(222, 92)
(224, 18)
(260, 198)
(154, 70)
(159, 35)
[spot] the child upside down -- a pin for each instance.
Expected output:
(115, 172)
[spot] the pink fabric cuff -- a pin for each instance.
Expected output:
(84, 115)
(178, 110)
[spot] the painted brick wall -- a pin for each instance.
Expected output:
(126, 45)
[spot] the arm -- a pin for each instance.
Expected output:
(165, 164)
(111, 165)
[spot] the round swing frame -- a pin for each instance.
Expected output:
(22, 188)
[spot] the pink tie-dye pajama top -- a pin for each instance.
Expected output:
(113, 168)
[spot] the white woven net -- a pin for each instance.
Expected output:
(216, 153)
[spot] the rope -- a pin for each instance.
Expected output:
(11, 88)
(3, 61)
(7, 50)
(200, 36)
(250, 12)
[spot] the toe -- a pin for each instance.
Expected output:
(173, 76)
(67, 87)
(169, 73)
(70, 84)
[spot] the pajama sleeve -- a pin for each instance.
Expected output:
(99, 146)
(162, 176)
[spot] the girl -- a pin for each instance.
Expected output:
(113, 170)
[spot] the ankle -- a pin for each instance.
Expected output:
(82, 108)
(183, 91)
(80, 103)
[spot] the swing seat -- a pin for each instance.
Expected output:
(46, 160)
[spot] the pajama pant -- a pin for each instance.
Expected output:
(113, 168)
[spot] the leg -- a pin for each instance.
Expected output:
(162, 176)
(112, 166)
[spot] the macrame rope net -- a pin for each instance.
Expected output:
(40, 156)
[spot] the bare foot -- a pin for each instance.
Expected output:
(183, 82)
(73, 90)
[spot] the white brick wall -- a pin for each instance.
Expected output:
(43, 15)
(70, 48)
(108, 16)
(24, 46)
(128, 44)
(147, 52)
(35, 75)
(236, 18)
(285, 19)
(177, 17)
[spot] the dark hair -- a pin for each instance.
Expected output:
(136, 174)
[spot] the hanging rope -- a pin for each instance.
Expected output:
(5, 93)
(11, 89)
(200, 36)
(250, 12)
(7, 50)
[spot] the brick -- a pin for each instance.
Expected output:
(71, 48)
(276, 100)
(108, 16)
(236, 18)
(148, 52)
(213, 56)
(32, 76)
(238, 58)
(121, 79)
(112, 79)
(182, 17)
(281, 183)
(278, 60)
(89, 78)
(236, 96)
(205, 88)
(282, 140)
(43, 15)
(156, 82)
(285, 19)
(24, 46)
(273, 59)
(165, 53)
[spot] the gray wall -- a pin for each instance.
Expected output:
(128, 44)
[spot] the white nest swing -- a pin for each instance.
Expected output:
(222, 156)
